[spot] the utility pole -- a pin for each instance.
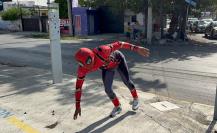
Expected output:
(149, 26)
(145, 17)
(55, 47)
(215, 108)
(70, 16)
(161, 19)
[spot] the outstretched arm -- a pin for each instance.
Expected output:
(125, 45)
(78, 91)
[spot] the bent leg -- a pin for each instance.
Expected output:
(107, 77)
(124, 73)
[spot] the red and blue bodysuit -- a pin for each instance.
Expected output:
(108, 59)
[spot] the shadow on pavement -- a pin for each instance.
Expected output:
(39, 57)
(210, 38)
(91, 128)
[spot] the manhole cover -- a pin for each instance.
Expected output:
(164, 106)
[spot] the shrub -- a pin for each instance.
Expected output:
(11, 14)
(14, 13)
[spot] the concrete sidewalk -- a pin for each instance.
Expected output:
(30, 103)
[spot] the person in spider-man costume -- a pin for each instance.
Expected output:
(108, 59)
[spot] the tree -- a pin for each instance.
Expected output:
(208, 5)
(63, 8)
(14, 13)
(176, 8)
(121, 5)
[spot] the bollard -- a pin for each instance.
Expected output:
(215, 108)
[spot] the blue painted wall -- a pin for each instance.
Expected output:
(85, 13)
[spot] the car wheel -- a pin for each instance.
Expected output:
(206, 35)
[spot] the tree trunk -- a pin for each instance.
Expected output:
(174, 23)
(178, 21)
(145, 17)
(161, 19)
(183, 23)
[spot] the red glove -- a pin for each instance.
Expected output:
(77, 111)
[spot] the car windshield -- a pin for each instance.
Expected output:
(215, 24)
(207, 20)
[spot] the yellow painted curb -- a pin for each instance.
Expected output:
(20, 124)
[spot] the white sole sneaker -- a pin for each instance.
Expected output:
(115, 111)
(135, 104)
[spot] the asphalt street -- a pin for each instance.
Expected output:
(182, 71)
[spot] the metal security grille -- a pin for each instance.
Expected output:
(31, 24)
(35, 19)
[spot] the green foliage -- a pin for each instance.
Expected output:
(204, 5)
(33, 12)
(169, 6)
(117, 6)
(138, 5)
(26, 12)
(207, 5)
(92, 3)
(63, 8)
(14, 13)
(134, 5)
(11, 14)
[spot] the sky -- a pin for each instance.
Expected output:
(44, 2)
(37, 2)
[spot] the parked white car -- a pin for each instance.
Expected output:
(211, 30)
(208, 20)
(190, 23)
(200, 26)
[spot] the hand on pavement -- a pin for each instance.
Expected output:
(77, 111)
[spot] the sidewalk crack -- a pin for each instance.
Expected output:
(167, 128)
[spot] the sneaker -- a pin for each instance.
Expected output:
(115, 111)
(135, 104)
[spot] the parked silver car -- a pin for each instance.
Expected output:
(211, 30)
(200, 26)
(208, 20)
